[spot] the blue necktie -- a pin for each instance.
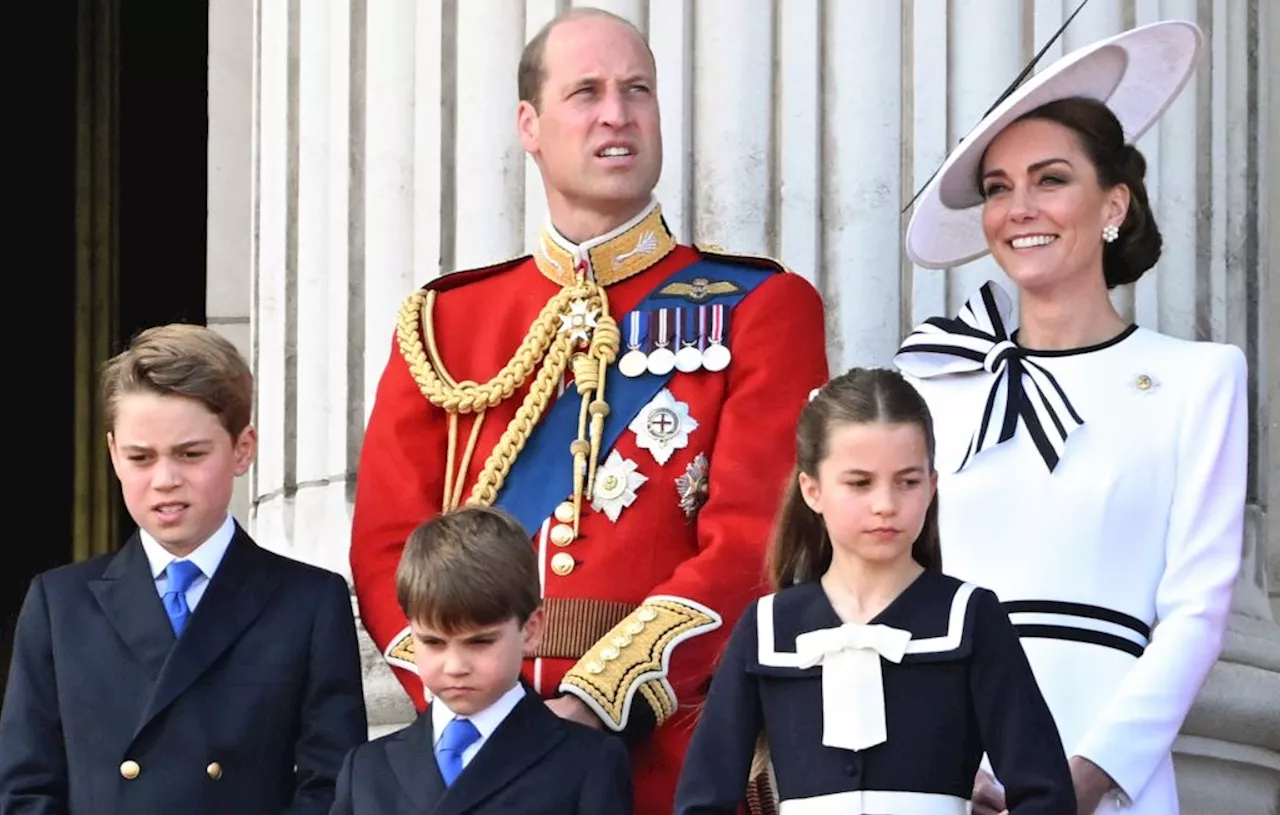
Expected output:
(181, 574)
(458, 735)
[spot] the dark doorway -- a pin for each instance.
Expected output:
(144, 245)
(164, 90)
(41, 181)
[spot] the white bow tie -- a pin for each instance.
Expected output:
(852, 683)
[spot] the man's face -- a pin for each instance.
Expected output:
(595, 132)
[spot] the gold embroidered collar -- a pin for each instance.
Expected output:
(609, 258)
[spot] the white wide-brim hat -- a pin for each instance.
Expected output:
(1137, 74)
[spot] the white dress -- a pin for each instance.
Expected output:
(1109, 520)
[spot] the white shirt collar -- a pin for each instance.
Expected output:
(486, 721)
(580, 250)
(208, 555)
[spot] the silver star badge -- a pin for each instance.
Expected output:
(579, 321)
(663, 426)
(692, 486)
(616, 483)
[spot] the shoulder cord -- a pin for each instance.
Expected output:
(545, 343)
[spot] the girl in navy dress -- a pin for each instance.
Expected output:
(874, 682)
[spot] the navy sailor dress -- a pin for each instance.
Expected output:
(948, 681)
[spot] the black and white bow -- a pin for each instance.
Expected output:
(978, 340)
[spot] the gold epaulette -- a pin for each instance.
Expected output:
(755, 261)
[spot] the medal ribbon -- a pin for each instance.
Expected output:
(717, 324)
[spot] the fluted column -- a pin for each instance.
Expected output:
(488, 161)
(988, 49)
(732, 169)
(274, 266)
(313, 168)
(229, 252)
(862, 154)
(1229, 749)
(1269, 291)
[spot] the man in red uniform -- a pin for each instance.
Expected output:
(632, 401)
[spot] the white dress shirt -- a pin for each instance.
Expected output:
(486, 721)
(207, 556)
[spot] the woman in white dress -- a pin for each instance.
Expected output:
(1093, 471)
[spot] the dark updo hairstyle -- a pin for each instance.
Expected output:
(1100, 135)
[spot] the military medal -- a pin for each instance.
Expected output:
(717, 356)
(692, 486)
(579, 322)
(616, 483)
(688, 358)
(663, 426)
(635, 362)
(662, 360)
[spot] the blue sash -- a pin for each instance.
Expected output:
(541, 477)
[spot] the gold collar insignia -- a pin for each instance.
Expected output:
(617, 255)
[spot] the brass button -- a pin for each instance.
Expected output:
(562, 534)
(562, 564)
(129, 770)
(214, 771)
(1143, 382)
(564, 512)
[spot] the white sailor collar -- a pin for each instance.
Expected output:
(799, 632)
(934, 610)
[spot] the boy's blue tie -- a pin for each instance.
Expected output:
(181, 574)
(458, 735)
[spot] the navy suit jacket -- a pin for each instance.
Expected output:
(534, 763)
(250, 712)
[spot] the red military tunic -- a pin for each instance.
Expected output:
(637, 608)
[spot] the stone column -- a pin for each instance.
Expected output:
(230, 147)
(1269, 201)
(862, 191)
(385, 59)
(316, 117)
(987, 46)
(1228, 756)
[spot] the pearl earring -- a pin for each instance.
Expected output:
(1110, 232)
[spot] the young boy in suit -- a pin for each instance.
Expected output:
(191, 671)
(468, 583)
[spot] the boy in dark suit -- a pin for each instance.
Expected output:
(468, 583)
(192, 671)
